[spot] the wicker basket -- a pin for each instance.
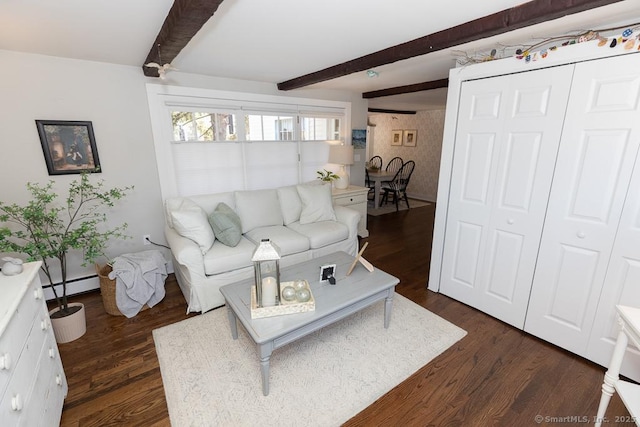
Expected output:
(108, 291)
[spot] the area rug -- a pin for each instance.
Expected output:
(322, 379)
(391, 207)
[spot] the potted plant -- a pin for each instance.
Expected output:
(45, 230)
(327, 176)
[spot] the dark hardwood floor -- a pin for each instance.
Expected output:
(496, 375)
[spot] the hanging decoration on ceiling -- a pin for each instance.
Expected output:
(162, 69)
(629, 39)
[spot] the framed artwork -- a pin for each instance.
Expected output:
(68, 146)
(410, 138)
(359, 138)
(396, 137)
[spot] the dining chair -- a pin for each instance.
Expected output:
(374, 163)
(398, 186)
(394, 164)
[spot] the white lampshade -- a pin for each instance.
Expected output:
(341, 154)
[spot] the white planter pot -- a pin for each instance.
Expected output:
(71, 327)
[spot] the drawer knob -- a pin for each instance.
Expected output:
(59, 380)
(44, 324)
(52, 353)
(37, 293)
(580, 234)
(16, 402)
(510, 221)
(5, 361)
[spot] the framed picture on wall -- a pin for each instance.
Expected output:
(359, 138)
(410, 138)
(68, 146)
(396, 137)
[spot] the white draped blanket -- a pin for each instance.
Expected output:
(320, 380)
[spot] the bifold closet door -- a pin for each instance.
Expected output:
(506, 145)
(597, 154)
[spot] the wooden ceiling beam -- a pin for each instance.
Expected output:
(183, 21)
(399, 90)
(524, 15)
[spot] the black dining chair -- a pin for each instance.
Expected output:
(375, 163)
(398, 186)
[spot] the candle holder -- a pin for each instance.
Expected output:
(266, 264)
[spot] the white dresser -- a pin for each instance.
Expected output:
(355, 198)
(32, 381)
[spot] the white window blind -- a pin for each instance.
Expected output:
(242, 141)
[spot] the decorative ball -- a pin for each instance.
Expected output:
(303, 295)
(299, 284)
(288, 293)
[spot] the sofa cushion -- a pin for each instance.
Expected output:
(290, 204)
(285, 238)
(322, 233)
(222, 258)
(226, 225)
(190, 221)
(317, 204)
(258, 208)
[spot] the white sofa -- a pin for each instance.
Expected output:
(301, 220)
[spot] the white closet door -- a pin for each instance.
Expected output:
(506, 143)
(622, 281)
(596, 158)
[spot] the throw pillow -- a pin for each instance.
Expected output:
(190, 221)
(226, 225)
(317, 204)
(290, 204)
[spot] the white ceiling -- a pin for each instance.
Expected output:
(276, 40)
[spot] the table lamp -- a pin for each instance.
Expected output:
(341, 155)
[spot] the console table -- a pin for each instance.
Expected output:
(354, 197)
(32, 381)
(629, 319)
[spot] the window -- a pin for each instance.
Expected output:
(269, 128)
(201, 126)
(320, 129)
(214, 141)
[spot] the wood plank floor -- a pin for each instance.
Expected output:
(496, 375)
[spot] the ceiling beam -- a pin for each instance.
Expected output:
(183, 21)
(399, 90)
(531, 13)
(386, 111)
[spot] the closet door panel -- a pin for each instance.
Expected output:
(595, 162)
(622, 280)
(506, 144)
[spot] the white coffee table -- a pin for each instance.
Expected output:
(349, 295)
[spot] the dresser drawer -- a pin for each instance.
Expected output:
(350, 200)
(14, 338)
(18, 392)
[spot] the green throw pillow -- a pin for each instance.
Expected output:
(226, 225)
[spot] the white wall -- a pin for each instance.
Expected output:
(426, 153)
(113, 98)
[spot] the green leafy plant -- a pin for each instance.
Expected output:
(327, 176)
(47, 230)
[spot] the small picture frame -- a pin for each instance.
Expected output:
(410, 138)
(396, 137)
(327, 272)
(68, 146)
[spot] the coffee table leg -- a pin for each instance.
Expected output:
(388, 306)
(233, 323)
(265, 356)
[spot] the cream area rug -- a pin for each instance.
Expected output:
(391, 207)
(322, 379)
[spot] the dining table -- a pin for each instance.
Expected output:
(378, 177)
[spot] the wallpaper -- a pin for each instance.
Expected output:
(426, 153)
